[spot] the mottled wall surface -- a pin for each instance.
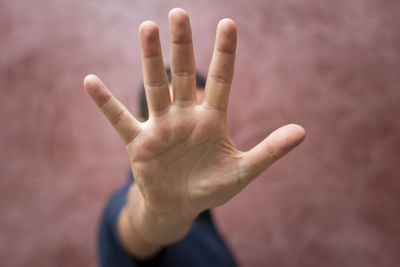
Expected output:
(331, 66)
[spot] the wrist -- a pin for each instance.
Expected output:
(144, 233)
(156, 227)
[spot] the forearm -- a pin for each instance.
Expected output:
(144, 233)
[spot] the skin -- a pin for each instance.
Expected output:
(182, 158)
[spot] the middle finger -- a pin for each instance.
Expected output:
(183, 68)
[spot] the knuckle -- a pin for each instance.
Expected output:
(155, 84)
(221, 79)
(115, 120)
(273, 153)
(184, 73)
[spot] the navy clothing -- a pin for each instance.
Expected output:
(202, 246)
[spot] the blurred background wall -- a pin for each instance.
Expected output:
(331, 66)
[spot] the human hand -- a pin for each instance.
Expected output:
(182, 158)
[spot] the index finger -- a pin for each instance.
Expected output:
(220, 73)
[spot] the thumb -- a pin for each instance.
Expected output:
(272, 148)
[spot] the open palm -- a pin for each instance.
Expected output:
(182, 158)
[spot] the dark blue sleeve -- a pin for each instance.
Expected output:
(202, 246)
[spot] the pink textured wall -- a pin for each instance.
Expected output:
(332, 66)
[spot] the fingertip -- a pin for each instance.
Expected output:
(96, 89)
(303, 132)
(90, 81)
(178, 12)
(284, 139)
(148, 28)
(227, 22)
(178, 17)
(226, 35)
(179, 26)
(149, 39)
(297, 131)
(227, 26)
(272, 148)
